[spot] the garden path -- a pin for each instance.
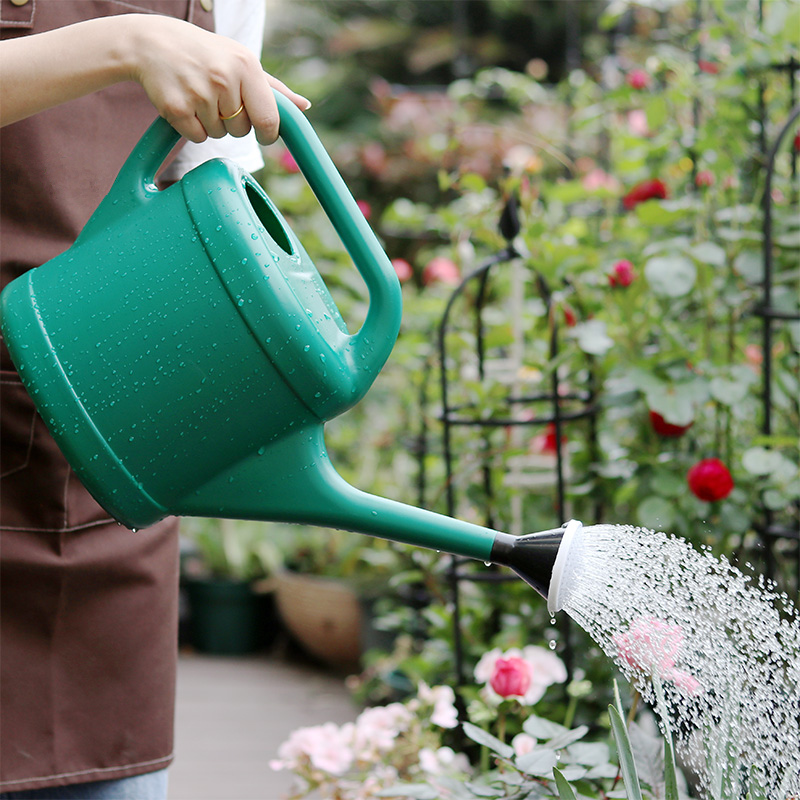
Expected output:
(234, 712)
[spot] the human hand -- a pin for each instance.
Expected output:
(203, 84)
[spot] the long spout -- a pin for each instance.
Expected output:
(294, 481)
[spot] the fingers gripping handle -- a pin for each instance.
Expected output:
(376, 338)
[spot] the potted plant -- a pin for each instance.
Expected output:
(224, 571)
(325, 591)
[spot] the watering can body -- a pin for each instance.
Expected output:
(188, 328)
(185, 352)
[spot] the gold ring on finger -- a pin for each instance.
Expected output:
(235, 113)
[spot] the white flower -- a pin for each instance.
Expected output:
(523, 743)
(377, 728)
(443, 699)
(326, 747)
(329, 749)
(443, 761)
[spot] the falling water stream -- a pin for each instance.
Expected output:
(714, 651)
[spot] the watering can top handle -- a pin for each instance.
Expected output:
(372, 344)
(377, 335)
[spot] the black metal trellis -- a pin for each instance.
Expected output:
(773, 526)
(452, 416)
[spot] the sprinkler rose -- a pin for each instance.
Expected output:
(710, 480)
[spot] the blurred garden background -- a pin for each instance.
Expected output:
(592, 207)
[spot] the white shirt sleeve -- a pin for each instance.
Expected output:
(244, 21)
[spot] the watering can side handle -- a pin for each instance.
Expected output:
(377, 335)
(135, 182)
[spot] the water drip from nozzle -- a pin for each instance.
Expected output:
(538, 558)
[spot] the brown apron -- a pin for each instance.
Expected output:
(88, 609)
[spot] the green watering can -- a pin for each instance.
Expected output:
(185, 355)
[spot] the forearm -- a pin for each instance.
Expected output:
(201, 83)
(38, 72)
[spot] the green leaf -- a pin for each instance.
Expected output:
(626, 762)
(486, 739)
(668, 484)
(542, 729)
(418, 791)
(656, 513)
(539, 762)
(483, 791)
(709, 253)
(657, 111)
(671, 276)
(567, 737)
(589, 754)
(670, 775)
(592, 337)
(750, 265)
(565, 791)
(728, 392)
(762, 461)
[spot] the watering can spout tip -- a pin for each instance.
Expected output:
(539, 559)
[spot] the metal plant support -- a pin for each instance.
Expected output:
(774, 526)
(555, 407)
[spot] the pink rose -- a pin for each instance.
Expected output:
(622, 274)
(287, 161)
(544, 668)
(638, 79)
(511, 677)
(365, 208)
(704, 178)
(651, 646)
(637, 122)
(441, 270)
(403, 269)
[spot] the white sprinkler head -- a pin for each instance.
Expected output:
(554, 597)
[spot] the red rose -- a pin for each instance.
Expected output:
(622, 274)
(710, 480)
(569, 317)
(797, 142)
(707, 66)
(646, 190)
(638, 79)
(441, 270)
(403, 269)
(704, 178)
(667, 429)
(546, 443)
(511, 677)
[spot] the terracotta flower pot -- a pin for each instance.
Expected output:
(323, 615)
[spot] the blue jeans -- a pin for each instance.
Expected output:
(152, 786)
